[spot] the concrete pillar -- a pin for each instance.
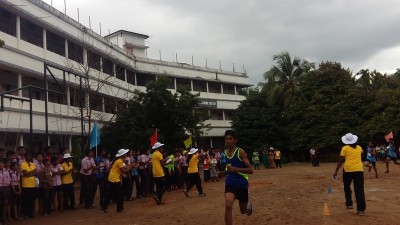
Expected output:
(211, 142)
(191, 85)
(223, 114)
(175, 84)
(207, 87)
(68, 95)
(85, 59)
(235, 90)
(18, 27)
(21, 139)
(222, 88)
(19, 77)
(44, 39)
(66, 48)
(126, 78)
(135, 80)
(70, 143)
(48, 140)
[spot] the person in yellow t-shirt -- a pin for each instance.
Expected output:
(118, 167)
(28, 184)
(158, 161)
(350, 156)
(193, 172)
(68, 182)
(277, 154)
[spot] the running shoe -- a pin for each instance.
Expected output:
(249, 208)
(156, 199)
(202, 194)
(360, 213)
(186, 192)
(349, 207)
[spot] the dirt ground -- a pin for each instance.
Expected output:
(295, 194)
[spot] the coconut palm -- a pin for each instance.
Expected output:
(283, 79)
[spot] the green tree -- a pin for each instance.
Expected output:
(283, 79)
(1, 43)
(174, 115)
(257, 123)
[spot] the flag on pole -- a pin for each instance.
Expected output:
(153, 138)
(94, 136)
(388, 136)
(188, 142)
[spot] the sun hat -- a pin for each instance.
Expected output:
(193, 150)
(184, 152)
(271, 148)
(121, 152)
(349, 139)
(67, 156)
(157, 145)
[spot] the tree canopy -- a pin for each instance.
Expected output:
(175, 116)
(328, 103)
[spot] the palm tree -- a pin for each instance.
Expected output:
(283, 79)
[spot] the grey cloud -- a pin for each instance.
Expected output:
(251, 32)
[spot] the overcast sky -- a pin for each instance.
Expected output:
(360, 34)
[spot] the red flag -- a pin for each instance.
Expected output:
(153, 138)
(388, 136)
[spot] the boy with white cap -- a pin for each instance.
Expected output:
(158, 161)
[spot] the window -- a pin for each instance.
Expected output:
(8, 22)
(96, 102)
(31, 33)
(109, 105)
(130, 77)
(171, 83)
(183, 83)
(144, 79)
(229, 89)
(55, 43)
(93, 60)
(214, 87)
(75, 52)
(76, 97)
(107, 66)
(199, 85)
(120, 72)
(228, 114)
(216, 114)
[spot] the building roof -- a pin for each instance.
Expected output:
(128, 32)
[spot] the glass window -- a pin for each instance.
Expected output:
(130, 77)
(214, 87)
(8, 22)
(55, 43)
(228, 114)
(216, 114)
(96, 102)
(31, 33)
(144, 79)
(75, 52)
(183, 83)
(199, 85)
(93, 60)
(120, 72)
(107, 66)
(229, 89)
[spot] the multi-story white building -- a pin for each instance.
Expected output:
(36, 35)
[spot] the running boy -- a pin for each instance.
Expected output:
(236, 184)
(371, 158)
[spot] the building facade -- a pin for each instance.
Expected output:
(46, 49)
